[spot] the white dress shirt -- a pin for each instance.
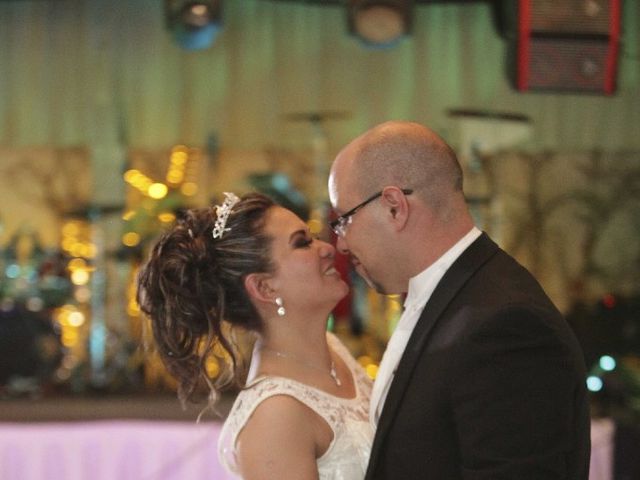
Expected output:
(420, 289)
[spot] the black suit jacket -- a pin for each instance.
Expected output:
(626, 445)
(491, 384)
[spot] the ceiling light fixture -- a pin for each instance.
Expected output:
(379, 23)
(194, 24)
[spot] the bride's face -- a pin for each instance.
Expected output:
(305, 275)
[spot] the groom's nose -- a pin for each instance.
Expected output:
(341, 246)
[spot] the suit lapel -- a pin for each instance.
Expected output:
(457, 275)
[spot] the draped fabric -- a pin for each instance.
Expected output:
(110, 449)
(81, 72)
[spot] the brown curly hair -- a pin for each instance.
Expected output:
(192, 284)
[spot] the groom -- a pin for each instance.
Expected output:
(482, 378)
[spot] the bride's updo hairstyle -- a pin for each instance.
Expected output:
(192, 284)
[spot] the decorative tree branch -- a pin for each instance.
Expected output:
(613, 187)
(531, 228)
(58, 187)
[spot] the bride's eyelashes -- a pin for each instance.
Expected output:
(303, 242)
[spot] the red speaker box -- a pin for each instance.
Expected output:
(567, 45)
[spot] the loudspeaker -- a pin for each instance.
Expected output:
(567, 45)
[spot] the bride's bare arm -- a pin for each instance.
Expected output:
(279, 441)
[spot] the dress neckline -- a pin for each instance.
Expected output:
(337, 351)
(262, 378)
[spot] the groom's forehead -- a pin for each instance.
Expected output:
(344, 193)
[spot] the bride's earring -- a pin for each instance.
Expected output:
(280, 303)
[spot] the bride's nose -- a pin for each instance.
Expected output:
(327, 250)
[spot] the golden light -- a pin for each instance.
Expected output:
(315, 226)
(69, 337)
(138, 180)
(157, 190)
(68, 243)
(80, 264)
(77, 249)
(76, 264)
(80, 277)
(131, 239)
(372, 370)
(212, 366)
(133, 309)
(180, 149)
(166, 217)
(174, 176)
(128, 215)
(76, 319)
(70, 229)
(142, 183)
(189, 189)
(62, 313)
(179, 158)
(131, 175)
(365, 360)
(90, 250)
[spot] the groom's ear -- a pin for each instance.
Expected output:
(259, 287)
(397, 206)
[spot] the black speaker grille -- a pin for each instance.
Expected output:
(565, 64)
(570, 16)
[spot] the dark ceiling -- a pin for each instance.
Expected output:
(343, 2)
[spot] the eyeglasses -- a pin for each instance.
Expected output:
(339, 225)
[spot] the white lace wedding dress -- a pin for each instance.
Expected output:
(348, 454)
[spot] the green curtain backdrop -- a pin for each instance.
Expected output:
(73, 71)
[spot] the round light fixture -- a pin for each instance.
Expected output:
(380, 24)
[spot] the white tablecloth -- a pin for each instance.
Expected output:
(110, 450)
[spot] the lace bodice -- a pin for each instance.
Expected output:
(348, 454)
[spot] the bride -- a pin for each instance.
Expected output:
(303, 411)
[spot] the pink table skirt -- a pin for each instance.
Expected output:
(110, 450)
(148, 450)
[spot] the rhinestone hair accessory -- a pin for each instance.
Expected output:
(222, 212)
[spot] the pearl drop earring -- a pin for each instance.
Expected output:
(280, 303)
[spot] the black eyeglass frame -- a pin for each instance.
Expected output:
(340, 223)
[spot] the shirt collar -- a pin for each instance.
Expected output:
(423, 284)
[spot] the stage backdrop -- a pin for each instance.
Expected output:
(78, 72)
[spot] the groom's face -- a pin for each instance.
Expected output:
(363, 237)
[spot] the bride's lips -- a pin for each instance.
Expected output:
(331, 271)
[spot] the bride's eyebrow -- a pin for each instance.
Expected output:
(295, 234)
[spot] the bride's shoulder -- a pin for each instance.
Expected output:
(280, 434)
(275, 417)
(266, 399)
